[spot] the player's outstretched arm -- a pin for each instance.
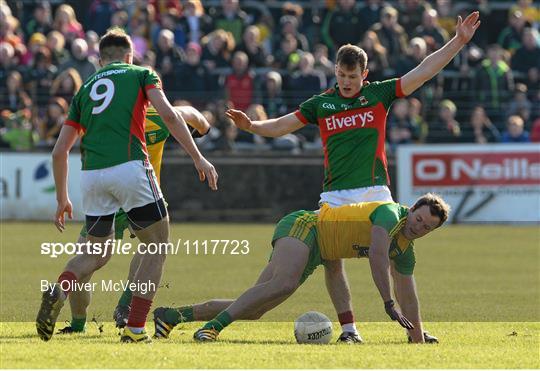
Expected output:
(379, 261)
(178, 128)
(405, 287)
(60, 154)
(436, 61)
(195, 119)
(267, 128)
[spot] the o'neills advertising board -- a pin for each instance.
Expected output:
(27, 190)
(483, 183)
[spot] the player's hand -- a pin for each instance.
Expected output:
(430, 339)
(396, 315)
(465, 29)
(207, 171)
(63, 207)
(240, 119)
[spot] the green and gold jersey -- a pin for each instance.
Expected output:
(110, 110)
(345, 232)
(156, 133)
(353, 133)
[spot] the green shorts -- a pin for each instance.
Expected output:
(121, 223)
(301, 225)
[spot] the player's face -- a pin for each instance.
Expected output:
(349, 80)
(419, 223)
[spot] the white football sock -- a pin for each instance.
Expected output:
(349, 327)
(136, 330)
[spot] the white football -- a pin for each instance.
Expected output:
(313, 328)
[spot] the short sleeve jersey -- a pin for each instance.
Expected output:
(345, 232)
(110, 110)
(353, 133)
(156, 133)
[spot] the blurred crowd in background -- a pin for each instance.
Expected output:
(266, 57)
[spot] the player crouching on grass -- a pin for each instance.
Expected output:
(156, 134)
(382, 231)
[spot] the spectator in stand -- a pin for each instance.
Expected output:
(510, 37)
(416, 53)
(303, 82)
(218, 46)
(271, 96)
(530, 11)
(41, 21)
(194, 22)
(251, 45)
(494, 83)
(370, 13)
(41, 76)
(410, 14)
(192, 76)
(322, 63)
(167, 52)
(66, 23)
(14, 97)
(7, 62)
(120, 19)
(92, 40)
(399, 128)
(98, 16)
(35, 41)
(515, 131)
(481, 128)
(239, 85)
(288, 55)
(56, 43)
(139, 38)
(343, 25)
(376, 53)
(79, 60)
(526, 59)
(391, 35)
(55, 115)
(445, 129)
(289, 26)
(170, 21)
(446, 16)
(420, 126)
(18, 133)
(231, 19)
(430, 28)
(8, 30)
(66, 84)
(520, 105)
(149, 60)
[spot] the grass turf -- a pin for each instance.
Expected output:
(478, 288)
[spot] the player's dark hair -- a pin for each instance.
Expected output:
(114, 44)
(352, 56)
(437, 206)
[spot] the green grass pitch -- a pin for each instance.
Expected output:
(479, 289)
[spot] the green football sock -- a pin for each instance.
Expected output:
(125, 299)
(175, 316)
(77, 324)
(221, 321)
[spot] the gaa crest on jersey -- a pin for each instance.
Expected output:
(362, 100)
(152, 137)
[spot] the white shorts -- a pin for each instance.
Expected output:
(355, 195)
(127, 186)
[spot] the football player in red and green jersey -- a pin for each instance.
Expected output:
(110, 110)
(352, 122)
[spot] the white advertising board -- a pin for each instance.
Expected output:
(27, 186)
(497, 183)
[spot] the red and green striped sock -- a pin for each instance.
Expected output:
(221, 321)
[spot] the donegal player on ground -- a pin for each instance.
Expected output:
(382, 231)
(110, 110)
(352, 122)
(156, 133)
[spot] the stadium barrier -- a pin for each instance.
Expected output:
(497, 183)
